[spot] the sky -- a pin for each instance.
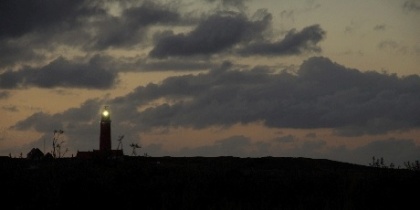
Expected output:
(323, 79)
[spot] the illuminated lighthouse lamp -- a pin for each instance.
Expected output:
(105, 113)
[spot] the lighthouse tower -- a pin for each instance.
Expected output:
(105, 151)
(105, 131)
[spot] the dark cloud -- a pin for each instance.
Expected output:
(11, 52)
(44, 122)
(19, 17)
(235, 3)
(60, 73)
(39, 121)
(30, 32)
(141, 64)
(219, 32)
(79, 125)
(172, 65)
(30, 29)
(322, 94)
(412, 5)
(9, 79)
(239, 4)
(294, 43)
(131, 27)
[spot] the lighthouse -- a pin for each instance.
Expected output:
(105, 151)
(105, 130)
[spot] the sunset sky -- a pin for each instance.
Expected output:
(324, 79)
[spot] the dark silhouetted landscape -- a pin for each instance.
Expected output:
(203, 183)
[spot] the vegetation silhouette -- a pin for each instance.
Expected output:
(137, 182)
(134, 146)
(56, 144)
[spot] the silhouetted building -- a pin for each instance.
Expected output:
(105, 150)
(35, 154)
(48, 156)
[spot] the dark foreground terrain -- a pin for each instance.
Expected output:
(204, 183)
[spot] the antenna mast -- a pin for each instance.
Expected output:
(120, 146)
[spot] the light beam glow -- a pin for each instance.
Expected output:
(105, 113)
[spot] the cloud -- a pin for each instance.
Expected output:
(40, 122)
(79, 125)
(131, 27)
(230, 4)
(32, 31)
(21, 17)
(93, 27)
(60, 73)
(411, 6)
(227, 31)
(172, 65)
(294, 43)
(322, 94)
(44, 122)
(11, 52)
(215, 34)
(28, 30)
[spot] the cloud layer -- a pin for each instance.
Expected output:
(321, 94)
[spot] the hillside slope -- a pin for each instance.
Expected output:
(203, 183)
